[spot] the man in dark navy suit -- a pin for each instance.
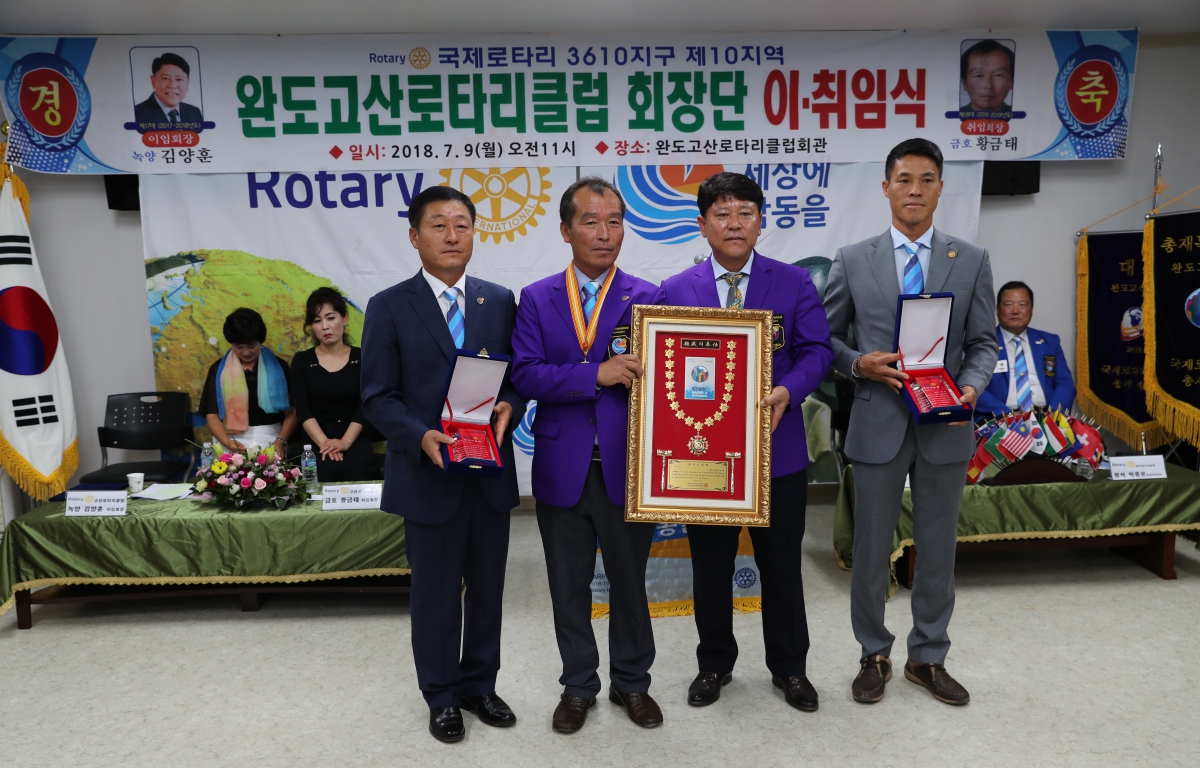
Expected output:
(456, 527)
(165, 110)
(1024, 351)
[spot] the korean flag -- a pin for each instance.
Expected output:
(38, 445)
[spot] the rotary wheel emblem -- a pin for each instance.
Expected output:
(507, 200)
(419, 58)
(698, 445)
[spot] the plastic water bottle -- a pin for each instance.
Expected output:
(207, 456)
(308, 465)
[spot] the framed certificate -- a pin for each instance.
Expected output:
(699, 447)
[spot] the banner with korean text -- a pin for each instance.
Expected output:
(221, 104)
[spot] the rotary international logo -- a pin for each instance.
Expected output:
(419, 57)
(507, 200)
(700, 373)
(745, 578)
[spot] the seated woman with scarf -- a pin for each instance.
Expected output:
(245, 398)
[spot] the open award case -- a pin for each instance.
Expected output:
(472, 389)
(699, 445)
(922, 326)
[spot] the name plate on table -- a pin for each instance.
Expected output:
(362, 496)
(97, 503)
(1137, 468)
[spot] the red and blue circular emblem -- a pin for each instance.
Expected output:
(50, 100)
(1091, 91)
(28, 332)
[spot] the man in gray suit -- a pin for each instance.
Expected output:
(883, 441)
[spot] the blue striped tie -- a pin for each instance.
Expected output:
(454, 318)
(589, 300)
(914, 278)
(1024, 393)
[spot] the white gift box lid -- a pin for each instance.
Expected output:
(473, 379)
(922, 325)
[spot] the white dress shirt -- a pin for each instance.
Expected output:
(924, 252)
(723, 287)
(439, 289)
(167, 110)
(1035, 382)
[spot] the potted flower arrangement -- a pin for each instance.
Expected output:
(240, 479)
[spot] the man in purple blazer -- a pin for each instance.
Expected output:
(736, 276)
(569, 353)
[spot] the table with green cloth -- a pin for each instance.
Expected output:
(197, 542)
(1100, 507)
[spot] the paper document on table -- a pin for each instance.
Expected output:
(165, 492)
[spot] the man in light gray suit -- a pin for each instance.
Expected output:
(883, 441)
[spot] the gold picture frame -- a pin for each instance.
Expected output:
(714, 502)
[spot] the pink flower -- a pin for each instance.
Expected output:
(246, 482)
(291, 486)
(259, 484)
(224, 480)
(237, 460)
(262, 459)
(296, 472)
(226, 457)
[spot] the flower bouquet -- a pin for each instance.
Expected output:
(240, 479)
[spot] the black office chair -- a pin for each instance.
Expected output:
(144, 421)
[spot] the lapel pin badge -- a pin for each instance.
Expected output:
(952, 254)
(479, 300)
(624, 298)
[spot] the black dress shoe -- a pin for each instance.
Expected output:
(446, 724)
(641, 708)
(797, 692)
(706, 688)
(491, 710)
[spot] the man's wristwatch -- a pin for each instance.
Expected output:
(855, 369)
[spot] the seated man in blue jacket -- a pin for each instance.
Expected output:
(1032, 370)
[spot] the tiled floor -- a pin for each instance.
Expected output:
(1072, 659)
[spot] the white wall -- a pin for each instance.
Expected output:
(92, 257)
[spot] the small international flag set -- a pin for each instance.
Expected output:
(472, 391)
(922, 326)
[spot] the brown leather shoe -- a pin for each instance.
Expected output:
(640, 707)
(571, 713)
(937, 681)
(871, 682)
(706, 688)
(797, 692)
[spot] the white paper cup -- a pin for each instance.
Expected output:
(136, 481)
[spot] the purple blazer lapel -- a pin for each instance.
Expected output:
(760, 284)
(558, 297)
(611, 311)
(704, 285)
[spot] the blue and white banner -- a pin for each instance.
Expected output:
(238, 103)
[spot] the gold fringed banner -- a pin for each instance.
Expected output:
(1171, 262)
(18, 186)
(1109, 346)
(683, 608)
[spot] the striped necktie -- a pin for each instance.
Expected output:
(454, 318)
(1024, 393)
(914, 278)
(734, 299)
(589, 292)
(173, 115)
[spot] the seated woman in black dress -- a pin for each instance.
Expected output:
(325, 392)
(245, 398)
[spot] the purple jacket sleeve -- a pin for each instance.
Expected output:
(533, 376)
(809, 348)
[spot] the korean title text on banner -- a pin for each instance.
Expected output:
(220, 104)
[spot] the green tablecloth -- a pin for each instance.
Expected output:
(195, 542)
(1100, 507)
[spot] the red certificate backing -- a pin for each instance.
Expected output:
(669, 432)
